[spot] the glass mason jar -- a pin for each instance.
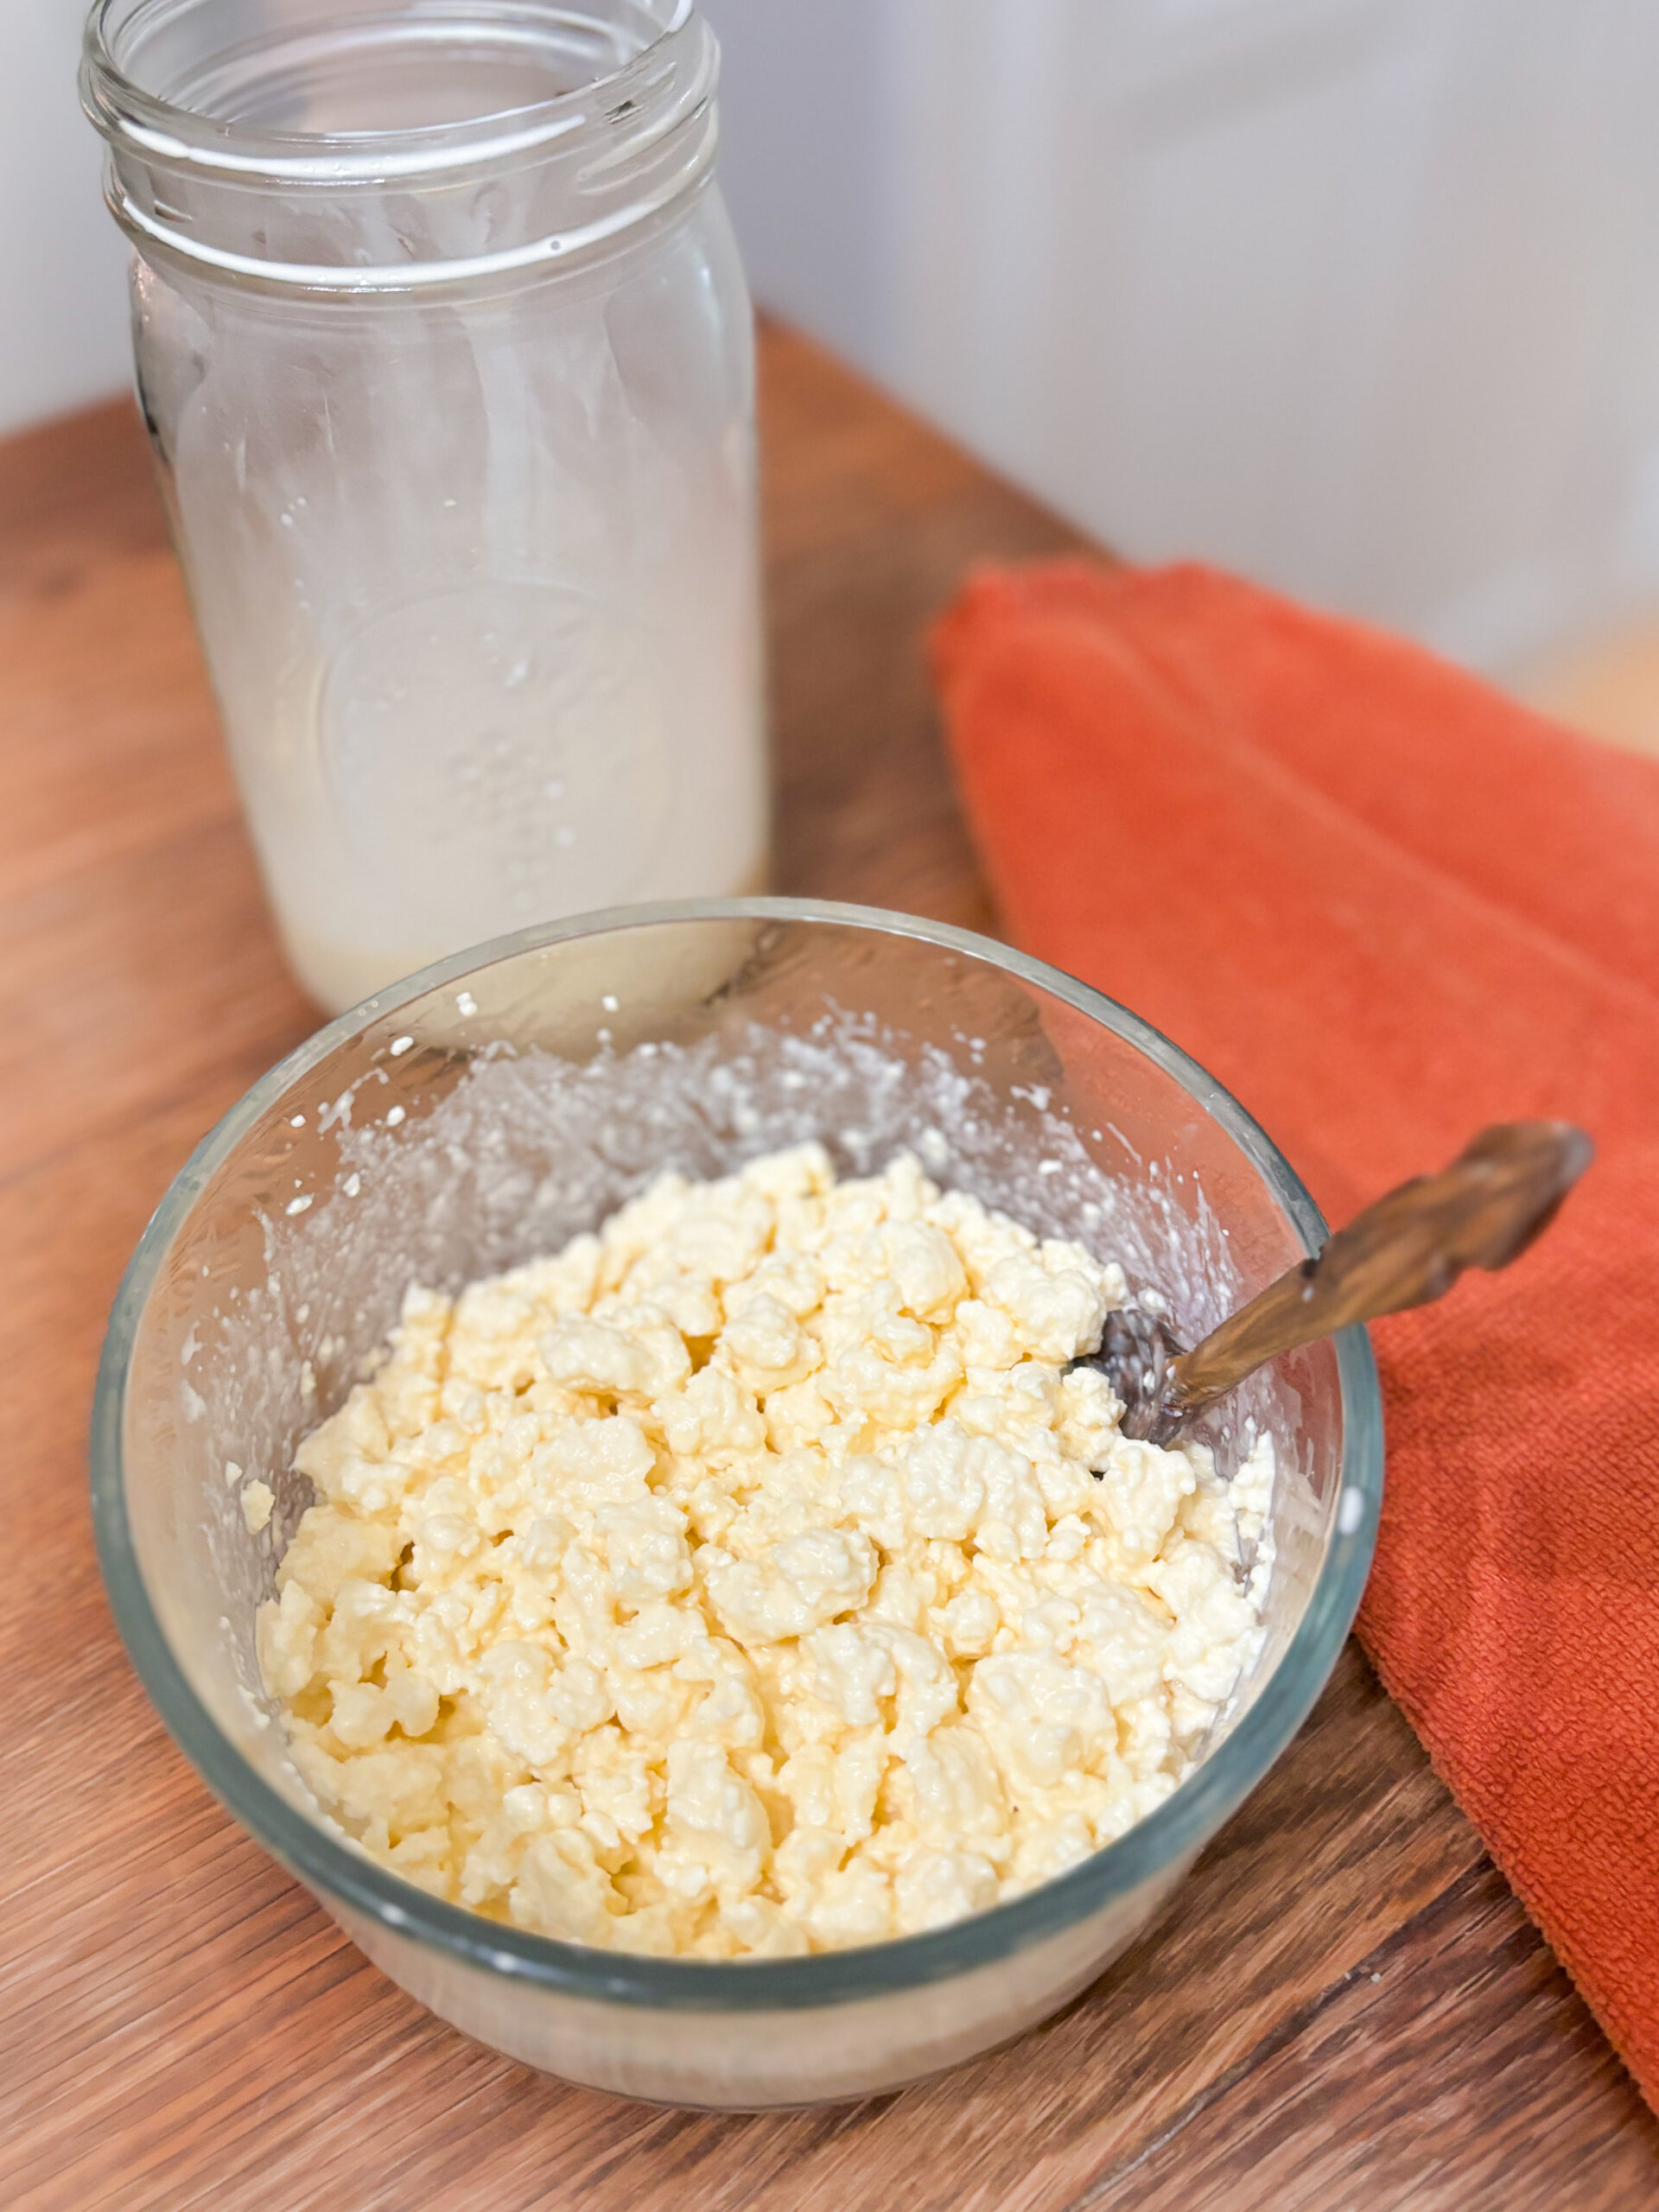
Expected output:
(446, 356)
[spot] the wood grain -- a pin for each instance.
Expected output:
(1344, 2007)
(1415, 2082)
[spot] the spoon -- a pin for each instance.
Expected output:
(1405, 1249)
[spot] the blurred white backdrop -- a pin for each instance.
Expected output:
(1359, 296)
(63, 338)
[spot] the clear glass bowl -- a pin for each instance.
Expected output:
(503, 1100)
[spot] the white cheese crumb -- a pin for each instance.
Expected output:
(258, 1500)
(751, 1578)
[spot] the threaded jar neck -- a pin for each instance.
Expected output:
(357, 148)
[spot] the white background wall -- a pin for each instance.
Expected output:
(63, 326)
(1359, 296)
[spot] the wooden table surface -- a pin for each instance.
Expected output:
(1347, 2009)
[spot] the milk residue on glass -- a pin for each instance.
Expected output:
(445, 351)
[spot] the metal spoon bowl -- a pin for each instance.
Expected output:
(1408, 1248)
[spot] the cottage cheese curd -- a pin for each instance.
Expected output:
(748, 1579)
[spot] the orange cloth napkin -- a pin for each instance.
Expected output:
(1385, 905)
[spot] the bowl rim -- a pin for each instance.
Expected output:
(344, 1877)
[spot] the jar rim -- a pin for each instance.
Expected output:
(284, 211)
(164, 130)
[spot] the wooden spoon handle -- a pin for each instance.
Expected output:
(1407, 1249)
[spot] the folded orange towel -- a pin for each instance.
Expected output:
(1385, 905)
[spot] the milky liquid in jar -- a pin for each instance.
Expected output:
(446, 355)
